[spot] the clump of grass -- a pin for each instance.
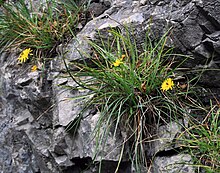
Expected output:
(133, 87)
(202, 141)
(43, 28)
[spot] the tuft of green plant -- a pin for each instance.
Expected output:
(202, 141)
(133, 87)
(22, 25)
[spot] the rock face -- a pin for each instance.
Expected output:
(35, 107)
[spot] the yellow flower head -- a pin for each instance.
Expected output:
(167, 84)
(24, 55)
(33, 68)
(117, 62)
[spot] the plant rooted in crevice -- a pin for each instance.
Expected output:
(134, 88)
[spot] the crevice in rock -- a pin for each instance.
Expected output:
(214, 22)
(80, 164)
(169, 153)
(110, 166)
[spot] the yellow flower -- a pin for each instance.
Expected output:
(117, 62)
(167, 84)
(24, 55)
(33, 68)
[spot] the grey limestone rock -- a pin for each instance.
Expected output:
(166, 136)
(173, 164)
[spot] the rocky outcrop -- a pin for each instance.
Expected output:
(36, 106)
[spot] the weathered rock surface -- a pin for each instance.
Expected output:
(172, 164)
(35, 108)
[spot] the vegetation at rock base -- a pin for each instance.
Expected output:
(202, 141)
